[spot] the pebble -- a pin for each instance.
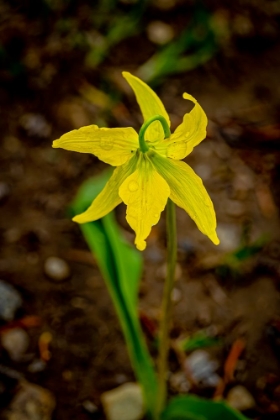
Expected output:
(89, 406)
(203, 369)
(229, 235)
(124, 402)
(215, 291)
(15, 342)
(35, 125)
(179, 383)
(37, 365)
(159, 32)
(32, 402)
(176, 295)
(204, 315)
(56, 269)
(203, 170)
(162, 271)
(10, 301)
(235, 208)
(243, 182)
(240, 398)
(120, 378)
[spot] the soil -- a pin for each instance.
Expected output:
(44, 92)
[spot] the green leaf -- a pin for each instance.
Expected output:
(190, 407)
(199, 340)
(121, 267)
(176, 57)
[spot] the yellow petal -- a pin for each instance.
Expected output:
(150, 105)
(109, 197)
(145, 193)
(188, 192)
(112, 145)
(187, 135)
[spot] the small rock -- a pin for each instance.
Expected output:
(31, 403)
(37, 365)
(203, 369)
(162, 271)
(120, 378)
(56, 269)
(10, 301)
(124, 402)
(176, 295)
(203, 170)
(235, 208)
(215, 291)
(229, 235)
(179, 383)
(204, 315)
(243, 182)
(240, 398)
(89, 406)
(35, 125)
(159, 32)
(15, 342)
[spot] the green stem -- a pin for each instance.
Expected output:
(143, 145)
(164, 328)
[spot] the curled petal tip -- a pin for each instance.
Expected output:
(189, 97)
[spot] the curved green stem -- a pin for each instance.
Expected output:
(164, 328)
(143, 145)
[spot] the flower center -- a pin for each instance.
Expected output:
(142, 143)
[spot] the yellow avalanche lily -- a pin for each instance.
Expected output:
(148, 168)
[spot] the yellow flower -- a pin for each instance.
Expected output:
(148, 170)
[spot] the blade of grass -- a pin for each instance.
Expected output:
(191, 407)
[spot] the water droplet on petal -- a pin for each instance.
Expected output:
(106, 144)
(156, 215)
(187, 134)
(133, 186)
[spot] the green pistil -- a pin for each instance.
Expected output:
(142, 143)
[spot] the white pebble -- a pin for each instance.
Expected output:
(10, 301)
(56, 268)
(160, 32)
(203, 369)
(15, 342)
(31, 402)
(240, 398)
(90, 406)
(124, 402)
(229, 236)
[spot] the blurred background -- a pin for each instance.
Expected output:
(60, 69)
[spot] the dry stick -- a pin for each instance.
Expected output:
(164, 329)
